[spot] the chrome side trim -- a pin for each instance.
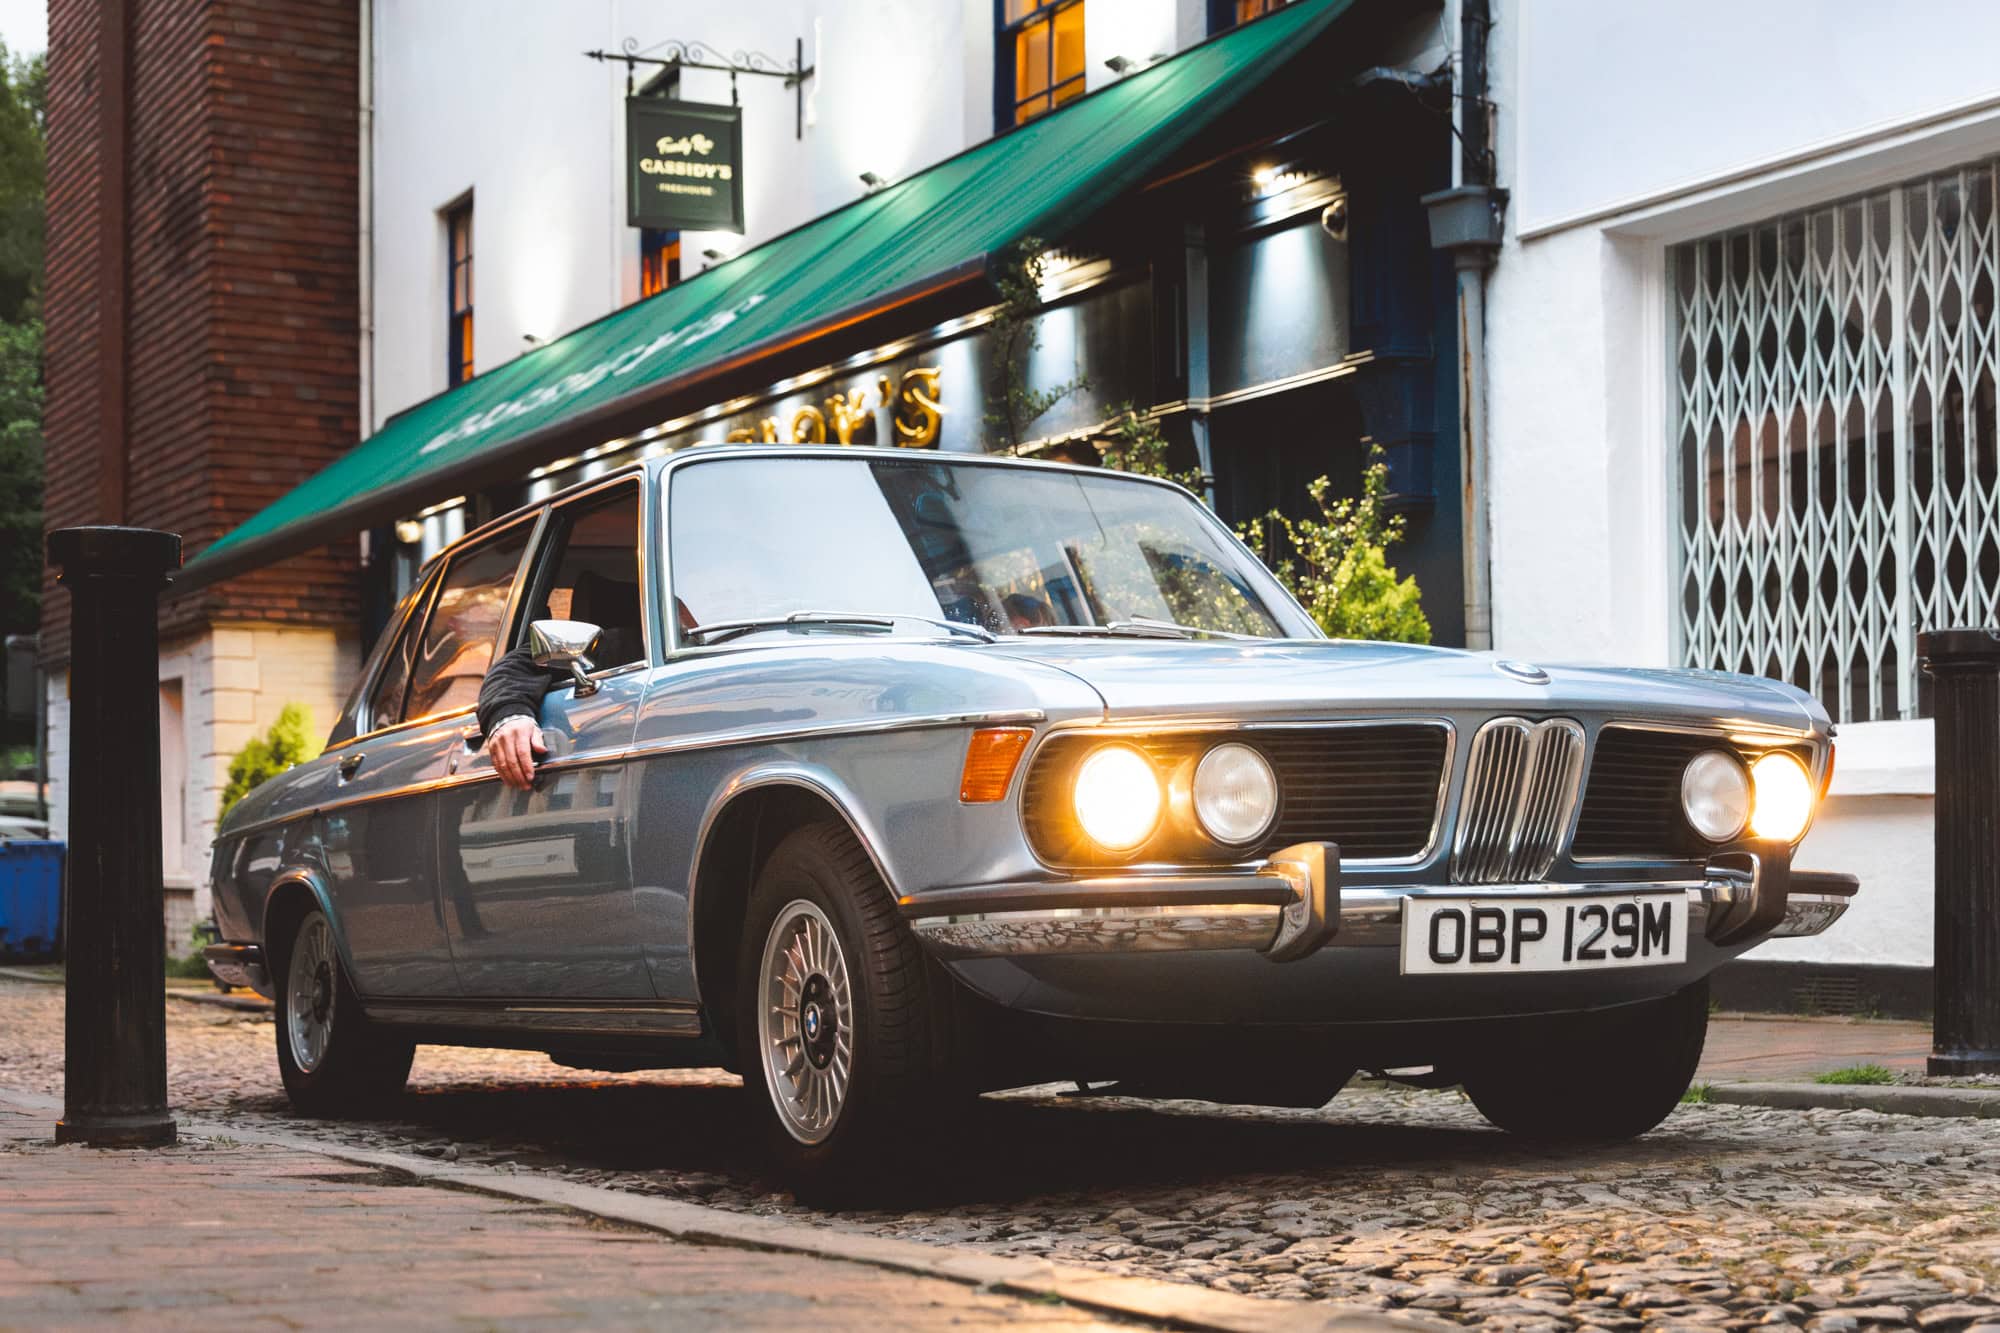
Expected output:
(600, 1019)
(1206, 725)
(647, 749)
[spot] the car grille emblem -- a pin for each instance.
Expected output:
(1521, 785)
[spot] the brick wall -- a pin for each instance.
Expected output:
(242, 366)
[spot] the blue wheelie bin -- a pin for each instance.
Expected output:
(30, 899)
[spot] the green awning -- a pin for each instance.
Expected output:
(920, 234)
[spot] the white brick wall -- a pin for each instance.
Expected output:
(234, 681)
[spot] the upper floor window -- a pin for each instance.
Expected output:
(1040, 46)
(1223, 14)
(659, 260)
(458, 293)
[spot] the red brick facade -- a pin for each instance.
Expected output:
(241, 328)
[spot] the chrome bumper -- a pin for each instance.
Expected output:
(1294, 904)
(239, 965)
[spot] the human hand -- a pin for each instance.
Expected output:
(514, 745)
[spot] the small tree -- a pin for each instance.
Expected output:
(1337, 565)
(1134, 444)
(288, 742)
(1013, 337)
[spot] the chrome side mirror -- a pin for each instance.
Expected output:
(556, 644)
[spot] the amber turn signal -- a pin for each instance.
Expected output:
(990, 761)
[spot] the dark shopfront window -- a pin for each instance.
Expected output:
(1040, 57)
(1226, 14)
(659, 260)
(458, 294)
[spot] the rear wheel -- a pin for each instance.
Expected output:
(1612, 1075)
(834, 1018)
(332, 1059)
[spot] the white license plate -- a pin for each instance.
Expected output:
(1567, 933)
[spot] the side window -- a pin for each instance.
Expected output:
(385, 704)
(458, 639)
(591, 573)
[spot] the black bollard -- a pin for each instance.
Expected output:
(1964, 665)
(115, 1042)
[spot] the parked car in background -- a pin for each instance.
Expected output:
(886, 778)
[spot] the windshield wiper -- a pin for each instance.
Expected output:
(721, 631)
(1139, 627)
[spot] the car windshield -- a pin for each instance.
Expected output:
(1009, 550)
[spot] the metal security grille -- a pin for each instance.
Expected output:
(1520, 789)
(1834, 414)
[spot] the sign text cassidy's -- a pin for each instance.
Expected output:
(683, 165)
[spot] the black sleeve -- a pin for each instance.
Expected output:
(514, 686)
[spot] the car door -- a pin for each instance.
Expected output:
(537, 885)
(375, 831)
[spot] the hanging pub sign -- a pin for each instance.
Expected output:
(683, 165)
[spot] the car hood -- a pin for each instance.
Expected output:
(1312, 677)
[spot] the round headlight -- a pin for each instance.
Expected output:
(1784, 796)
(1715, 795)
(1117, 797)
(1235, 794)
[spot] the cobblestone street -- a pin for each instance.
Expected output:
(1397, 1199)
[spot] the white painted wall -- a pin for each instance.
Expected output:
(1623, 129)
(495, 97)
(1617, 102)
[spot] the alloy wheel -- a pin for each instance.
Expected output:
(309, 993)
(806, 1021)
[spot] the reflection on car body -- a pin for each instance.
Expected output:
(897, 778)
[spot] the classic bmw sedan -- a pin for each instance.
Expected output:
(887, 778)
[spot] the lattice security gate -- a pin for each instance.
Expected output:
(1834, 413)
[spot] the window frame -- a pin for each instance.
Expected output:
(458, 369)
(419, 619)
(1006, 108)
(542, 553)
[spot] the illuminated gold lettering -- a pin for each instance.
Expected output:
(808, 426)
(918, 411)
(848, 414)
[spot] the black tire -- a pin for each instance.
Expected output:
(359, 1067)
(1606, 1076)
(821, 878)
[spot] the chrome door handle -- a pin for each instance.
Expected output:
(349, 765)
(473, 737)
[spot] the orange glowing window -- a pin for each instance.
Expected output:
(659, 260)
(990, 760)
(1047, 42)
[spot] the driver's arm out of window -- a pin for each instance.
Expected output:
(513, 687)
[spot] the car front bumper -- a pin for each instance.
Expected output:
(1294, 904)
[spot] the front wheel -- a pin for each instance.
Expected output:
(834, 1017)
(1612, 1075)
(333, 1061)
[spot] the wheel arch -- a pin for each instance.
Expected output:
(741, 829)
(291, 895)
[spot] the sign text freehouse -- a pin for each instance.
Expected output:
(684, 165)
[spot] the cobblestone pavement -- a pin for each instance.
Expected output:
(223, 1235)
(1724, 1217)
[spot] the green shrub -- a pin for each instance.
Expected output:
(288, 742)
(1870, 1074)
(1698, 1094)
(1337, 565)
